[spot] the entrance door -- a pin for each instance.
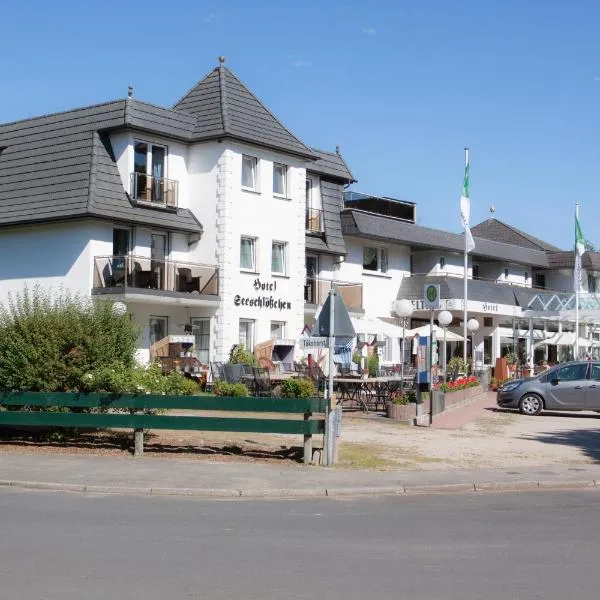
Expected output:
(566, 387)
(158, 254)
(310, 287)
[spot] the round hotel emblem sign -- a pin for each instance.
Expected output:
(431, 296)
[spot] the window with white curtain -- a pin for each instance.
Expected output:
(248, 253)
(375, 259)
(201, 330)
(277, 330)
(249, 172)
(279, 179)
(246, 336)
(278, 258)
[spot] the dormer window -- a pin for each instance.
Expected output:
(148, 180)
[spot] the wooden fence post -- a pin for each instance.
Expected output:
(138, 446)
(308, 442)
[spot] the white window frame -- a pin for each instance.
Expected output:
(381, 251)
(254, 162)
(254, 241)
(250, 323)
(156, 317)
(285, 180)
(194, 321)
(285, 258)
(150, 145)
(282, 325)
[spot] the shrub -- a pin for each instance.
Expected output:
(405, 398)
(238, 355)
(373, 365)
(221, 388)
(456, 365)
(120, 379)
(50, 340)
(297, 387)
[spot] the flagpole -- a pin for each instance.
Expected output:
(577, 286)
(465, 284)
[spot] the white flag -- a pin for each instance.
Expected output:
(465, 211)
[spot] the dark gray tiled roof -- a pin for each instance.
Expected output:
(224, 107)
(331, 164)
(358, 223)
(565, 259)
(498, 231)
(58, 167)
(411, 288)
(165, 121)
(332, 242)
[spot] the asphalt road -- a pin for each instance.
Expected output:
(490, 546)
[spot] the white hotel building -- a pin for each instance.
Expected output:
(211, 214)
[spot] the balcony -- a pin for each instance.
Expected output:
(317, 290)
(155, 278)
(314, 220)
(157, 191)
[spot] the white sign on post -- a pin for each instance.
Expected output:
(313, 343)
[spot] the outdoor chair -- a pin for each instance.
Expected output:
(233, 373)
(185, 281)
(262, 382)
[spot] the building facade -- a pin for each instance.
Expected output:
(211, 217)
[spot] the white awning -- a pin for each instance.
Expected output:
(364, 325)
(566, 338)
(439, 333)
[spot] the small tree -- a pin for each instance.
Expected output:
(50, 341)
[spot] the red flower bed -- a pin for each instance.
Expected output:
(460, 384)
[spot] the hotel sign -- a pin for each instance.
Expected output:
(260, 301)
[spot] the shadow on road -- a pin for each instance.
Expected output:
(587, 440)
(94, 442)
(544, 414)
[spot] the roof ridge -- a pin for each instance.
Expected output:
(267, 109)
(354, 180)
(223, 96)
(93, 164)
(542, 244)
(62, 112)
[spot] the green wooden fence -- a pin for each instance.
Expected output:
(15, 409)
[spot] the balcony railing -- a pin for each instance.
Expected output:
(314, 220)
(426, 276)
(154, 190)
(142, 272)
(317, 290)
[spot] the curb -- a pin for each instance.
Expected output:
(281, 493)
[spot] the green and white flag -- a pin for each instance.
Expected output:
(579, 250)
(465, 210)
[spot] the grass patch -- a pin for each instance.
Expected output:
(361, 456)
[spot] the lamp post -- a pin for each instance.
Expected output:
(472, 326)
(404, 309)
(444, 319)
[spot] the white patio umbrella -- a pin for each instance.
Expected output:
(439, 333)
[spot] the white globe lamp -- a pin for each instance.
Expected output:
(119, 309)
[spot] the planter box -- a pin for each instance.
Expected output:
(401, 412)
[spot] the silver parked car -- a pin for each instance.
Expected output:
(569, 386)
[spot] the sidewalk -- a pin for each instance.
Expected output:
(155, 476)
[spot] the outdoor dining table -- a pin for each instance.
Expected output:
(367, 391)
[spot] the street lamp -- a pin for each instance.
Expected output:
(444, 319)
(472, 326)
(404, 309)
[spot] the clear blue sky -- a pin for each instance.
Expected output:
(401, 86)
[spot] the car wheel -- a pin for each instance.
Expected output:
(530, 405)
